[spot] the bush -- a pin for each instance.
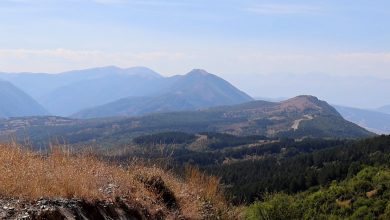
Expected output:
(277, 206)
(364, 196)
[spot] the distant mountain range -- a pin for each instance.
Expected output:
(69, 92)
(72, 92)
(384, 109)
(16, 103)
(195, 90)
(372, 120)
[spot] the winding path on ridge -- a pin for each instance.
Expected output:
(296, 123)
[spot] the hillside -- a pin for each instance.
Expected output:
(302, 116)
(372, 120)
(347, 181)
(289, 166)
(66, 186)
(137, 106)
(363, 196)
(195, 90)
(299, 117)
(15, 103)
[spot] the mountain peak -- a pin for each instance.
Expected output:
(307, 102)
(307, 98)
(114, 70)
(199, 72)
(142, 71)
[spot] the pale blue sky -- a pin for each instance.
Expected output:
(230, 38)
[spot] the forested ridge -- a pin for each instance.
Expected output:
(251, 179)
(255, 165)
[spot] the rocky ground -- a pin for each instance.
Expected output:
(74, 209)
(56, 209)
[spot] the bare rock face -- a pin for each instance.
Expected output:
(56, 209)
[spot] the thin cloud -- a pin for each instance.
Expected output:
(349, 64)
(57, 60)
(110, 1)
(145, 2)
(283, 9)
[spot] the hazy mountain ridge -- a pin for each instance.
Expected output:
(39, 85)
(384, 109)
(372, 120)
(68, 92)
(15, 103)
(195, 90)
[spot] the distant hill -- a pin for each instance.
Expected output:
(372, 120)
(384, 109)
(302, 116)
(195, 90)
(15, 103)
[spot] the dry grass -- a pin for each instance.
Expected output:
(210, 189)
(28, 175)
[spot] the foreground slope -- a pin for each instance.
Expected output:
(15, 103)
(195, 90)
(65, 186)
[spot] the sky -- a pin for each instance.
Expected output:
(247, 42)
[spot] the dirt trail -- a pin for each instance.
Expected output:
(296, 123)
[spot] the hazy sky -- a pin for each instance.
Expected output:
(235, 39)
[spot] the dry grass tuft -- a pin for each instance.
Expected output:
(209, 187)
(28, 175)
